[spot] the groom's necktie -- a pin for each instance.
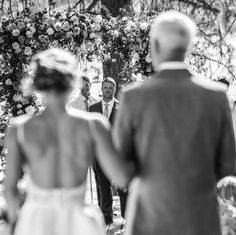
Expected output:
(86, 104)
(106, 111)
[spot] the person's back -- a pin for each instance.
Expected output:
(178, 174)
(57, 148)
(177, 130)
(58, 152)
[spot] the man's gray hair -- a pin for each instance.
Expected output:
(173, 27)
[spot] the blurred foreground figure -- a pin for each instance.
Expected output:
(57, 147)
(177, 130)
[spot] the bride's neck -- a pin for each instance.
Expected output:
(55, 104)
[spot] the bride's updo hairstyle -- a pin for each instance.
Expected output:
(54, 70)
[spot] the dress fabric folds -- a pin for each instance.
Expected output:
(59, 211)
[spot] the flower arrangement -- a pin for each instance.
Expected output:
(128, 37)
(93, 36)
(25, 34)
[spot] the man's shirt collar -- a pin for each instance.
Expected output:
(110, 103)
(172, 65)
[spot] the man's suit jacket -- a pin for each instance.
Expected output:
(178, 131)
(98, 108)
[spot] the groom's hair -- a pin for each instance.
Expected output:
(110, 80)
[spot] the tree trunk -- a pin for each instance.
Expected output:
(113, 67)
(114, 5)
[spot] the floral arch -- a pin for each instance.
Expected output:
(88, 36)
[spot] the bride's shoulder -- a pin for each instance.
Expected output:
(20, 120)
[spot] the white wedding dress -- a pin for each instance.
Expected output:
(59, 211)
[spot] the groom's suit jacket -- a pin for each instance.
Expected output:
(98, 108)
(177, 129)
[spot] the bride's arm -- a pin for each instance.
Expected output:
(118, 171)
(14, 162)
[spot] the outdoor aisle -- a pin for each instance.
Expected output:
(91, 198)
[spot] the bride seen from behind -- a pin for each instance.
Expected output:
(57, 147)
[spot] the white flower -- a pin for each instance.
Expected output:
(17, 51)
(95, 27)
(17, 97)
(66, 26)
(132, 26)
(26, 83)
(144, 25)
(11, 26)
(98, 19)
(136, 56)
(8, 82)
(92, 35)
(50, 21)
(113, 20)
(214, 39)
(76, 30)
(89, 46)
(148, 58)
(69, 34)
(21, 25)
(137, 77)
(16, 32)
(116, 33)
(57, 26)
(15, 45)
(4, 19)
(19, 106)
(32, 29)
(74, 19)
(19, 112)
(50, 31)
(27, 51)
(29, 34)
(38, 102)
(30, 110)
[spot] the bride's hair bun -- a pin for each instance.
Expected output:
(54, 70)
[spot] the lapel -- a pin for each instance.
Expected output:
(100, 107)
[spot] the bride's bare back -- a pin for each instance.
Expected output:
(58, 151)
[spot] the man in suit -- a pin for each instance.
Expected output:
(108, 106)
(84, 99)
(177, 131)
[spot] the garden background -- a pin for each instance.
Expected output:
(109, 38)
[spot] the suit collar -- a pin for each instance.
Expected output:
(172, 65)
(180, 73)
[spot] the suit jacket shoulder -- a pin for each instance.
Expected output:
(209, 84)
(97, 107)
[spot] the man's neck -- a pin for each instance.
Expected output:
(107, 100)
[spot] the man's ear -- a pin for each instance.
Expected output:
(156, 46)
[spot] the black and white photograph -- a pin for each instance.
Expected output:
(117, 117)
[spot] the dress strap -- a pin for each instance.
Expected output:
(91, 125)
(20, 134)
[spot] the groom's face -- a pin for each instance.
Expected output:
(108, 90)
